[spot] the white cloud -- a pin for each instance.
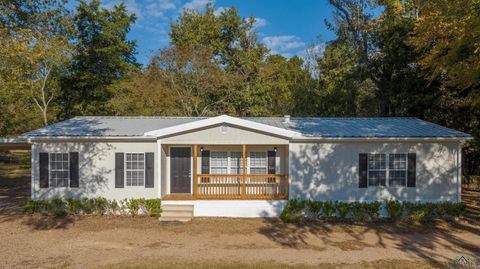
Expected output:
(282, 44)
(260, 22)
(157, 8)
(316, 49)
(219, 11)
(144, 9)
(197, 4)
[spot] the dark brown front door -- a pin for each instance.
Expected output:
(180, 170)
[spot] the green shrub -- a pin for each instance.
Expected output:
(113, 207)
(153, 207)
(358, 211)
(132, 205)
(57, 207)
(33, 206)
(372, 210)
(394, 209)
(328, 210)
(293, 211)
(88, 206)
(98, 205)
(343, 209)
(422, 212)
(73, 206)
(454, 210)
(314, 208)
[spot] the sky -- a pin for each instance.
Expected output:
(287, 27)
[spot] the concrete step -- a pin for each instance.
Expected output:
(175, 219)
(171, 213)
(175, 212)
(167, 207)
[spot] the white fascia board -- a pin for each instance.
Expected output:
(17, 140)
(223, 119)
(91, 138)
(379, 139)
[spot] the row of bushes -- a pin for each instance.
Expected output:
(97, 206)
(296, 210)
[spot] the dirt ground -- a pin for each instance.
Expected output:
(123, 242)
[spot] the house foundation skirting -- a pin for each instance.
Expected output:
(233, 208)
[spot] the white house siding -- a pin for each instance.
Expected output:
(234, 208)
(224, 135)
(96, 170)
(329, 171)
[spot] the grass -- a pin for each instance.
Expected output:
(383, 264)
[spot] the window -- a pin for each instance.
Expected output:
(59, 169)
(135, 169)
(397, 170)
(377, 169)
(258, 162)
(392, 167)
(218, 162)
(236, 163)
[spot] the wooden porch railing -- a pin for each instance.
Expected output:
(244, 186)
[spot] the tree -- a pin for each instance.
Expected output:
(186, 82)
(48, 56)
(49, 17)
(34, 38)
(351, 23)
(103, 56)
(402, 89)
(230, 42)
(284, 87)
(344, 70)
(447, 39)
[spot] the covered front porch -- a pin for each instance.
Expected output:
(225, 172)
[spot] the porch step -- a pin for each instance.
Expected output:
(181, 213)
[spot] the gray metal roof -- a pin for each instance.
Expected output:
(309, 127)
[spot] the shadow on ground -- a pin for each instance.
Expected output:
(15, 183)
(421, 240)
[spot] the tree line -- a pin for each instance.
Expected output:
(388, 58)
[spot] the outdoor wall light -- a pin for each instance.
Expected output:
(275, 149)
(201, 149)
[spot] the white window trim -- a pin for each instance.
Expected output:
(125, 169)
(250, 166)
(50, 170)
(387, 170)
(406, 170)
(229, 161)
(210, 160)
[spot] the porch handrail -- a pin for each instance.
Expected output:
(241, 186)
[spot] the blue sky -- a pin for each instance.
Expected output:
(286, 27)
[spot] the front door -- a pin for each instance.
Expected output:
(180, 170)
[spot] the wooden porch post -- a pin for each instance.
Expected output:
(195, 180)
(244, 170)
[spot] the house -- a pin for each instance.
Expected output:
(246, 167)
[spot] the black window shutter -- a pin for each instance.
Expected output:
(412, 170)
(119, 170)
(362, 170)
(44, 173)
(149, 169)
(205, 162)
(74, 175)
(271, 162)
